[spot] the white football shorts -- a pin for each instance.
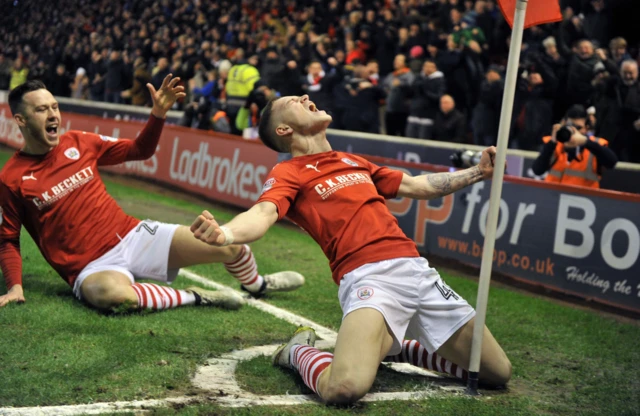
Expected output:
(143, 253)
(412, 297)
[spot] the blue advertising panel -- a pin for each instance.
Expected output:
(572, 242)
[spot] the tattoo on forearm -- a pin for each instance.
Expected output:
(440, 182)
(447, 182)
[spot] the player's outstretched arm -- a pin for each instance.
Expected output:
(249, 226)
(436, 185)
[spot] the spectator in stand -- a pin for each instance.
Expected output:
(19, 73)
(533, 107)
(597, 22)
(139, 93)
(361, 112)
(80, 85)
(197, 38)
(395, 86)
(97, 72)
(619, 113)
(373, 72)
(571, 31)
(450, 125)
(581, 69)
(453, 63)
(354, 52)
(59, 83)
(425, 93)
(160, 72)
(5, 72)
(115, 78)
(486, 114)
(618, 50)
(558, 65)
(417, 59)
(272, 65)
(240, 82)
(318, 84)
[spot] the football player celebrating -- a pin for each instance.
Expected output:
(52, 187)
(387, 291)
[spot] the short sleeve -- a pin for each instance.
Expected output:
(280, 188)
(109, 150)
(11, 214)
(386, 180)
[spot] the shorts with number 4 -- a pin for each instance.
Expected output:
(143, 253)
(412, 297)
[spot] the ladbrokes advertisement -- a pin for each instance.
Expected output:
(216, 166)
(571, 241)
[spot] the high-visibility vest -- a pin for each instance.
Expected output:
(581, 171)
(240, 83)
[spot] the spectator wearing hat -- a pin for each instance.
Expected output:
(398, 96)
(416, 54)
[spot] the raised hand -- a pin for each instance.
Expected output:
(487, 160)
(14, 294)
(164, 98)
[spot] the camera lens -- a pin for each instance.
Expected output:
(564, 134)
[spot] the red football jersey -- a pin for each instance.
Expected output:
(61, 200)
(338, 198)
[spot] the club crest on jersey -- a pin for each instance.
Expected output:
(268, 185)
(72, 153)
(107, 138)
(365, 293)
(349, 161)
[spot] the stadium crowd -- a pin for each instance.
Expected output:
(419, 68)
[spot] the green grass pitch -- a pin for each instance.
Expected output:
(54, 351)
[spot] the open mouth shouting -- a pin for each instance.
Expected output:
(52, 130)
(312, 107)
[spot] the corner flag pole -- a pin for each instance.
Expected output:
(496, 191)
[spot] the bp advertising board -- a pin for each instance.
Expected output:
(581, 244)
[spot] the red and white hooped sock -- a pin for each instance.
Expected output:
(152, 296)
(245, 269)
(310, 362)
(415, 354)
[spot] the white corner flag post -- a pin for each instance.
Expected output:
(496, 191)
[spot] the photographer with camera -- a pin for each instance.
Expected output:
(570, 156)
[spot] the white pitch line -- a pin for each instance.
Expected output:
(323, 332)
(219, 376)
